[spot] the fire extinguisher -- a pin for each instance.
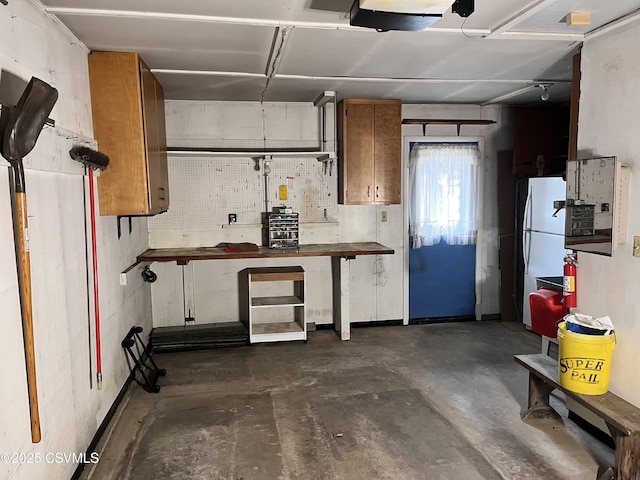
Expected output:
(569, 289)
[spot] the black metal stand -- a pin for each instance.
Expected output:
(133, 339)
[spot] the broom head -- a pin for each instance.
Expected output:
(89, 157)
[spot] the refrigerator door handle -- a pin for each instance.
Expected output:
(528, 211)
(526, 234)
(526, 249)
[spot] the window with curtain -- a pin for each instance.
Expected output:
(443, 183)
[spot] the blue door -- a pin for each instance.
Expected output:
(442, 281)
(441, 275)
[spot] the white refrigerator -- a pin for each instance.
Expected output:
(543, 235)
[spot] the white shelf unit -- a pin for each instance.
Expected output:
(290, 323)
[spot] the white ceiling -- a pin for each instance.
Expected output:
(290, 50)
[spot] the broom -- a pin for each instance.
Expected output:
(93, 159)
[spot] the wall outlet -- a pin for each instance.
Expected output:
(233, 218)
(383, 216)
(636, 246)
(123, 279)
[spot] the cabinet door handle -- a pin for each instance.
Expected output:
(162, 193)
(368, 190)
(377, 195)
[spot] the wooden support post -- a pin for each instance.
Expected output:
(539, 407)
(627, 466)
(341, 318)
(188, 292)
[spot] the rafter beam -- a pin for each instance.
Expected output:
(96, 12)
(515, 93)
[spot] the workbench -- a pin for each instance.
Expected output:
(340, 254)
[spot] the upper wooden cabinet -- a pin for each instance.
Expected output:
(129, 125)
(369, 151)
(541, 140)
(532, 142)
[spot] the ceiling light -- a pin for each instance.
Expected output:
(421, 7)
(544, 96)
(404, 15)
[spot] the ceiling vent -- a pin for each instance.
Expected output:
(407, 15)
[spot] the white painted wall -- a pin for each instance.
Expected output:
(197, 217)
(609, 125)
(31, 44)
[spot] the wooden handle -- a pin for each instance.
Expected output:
(24, 269)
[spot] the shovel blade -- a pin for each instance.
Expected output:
(23, 124)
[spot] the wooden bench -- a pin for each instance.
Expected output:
(621, 417)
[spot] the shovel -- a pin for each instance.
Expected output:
(20, 127)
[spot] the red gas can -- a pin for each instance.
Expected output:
(546, 311)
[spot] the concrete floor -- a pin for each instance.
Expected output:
(419, 402)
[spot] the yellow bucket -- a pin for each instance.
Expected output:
(584, 361)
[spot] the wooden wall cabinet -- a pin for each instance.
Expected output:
(369, 151)
(129, 126)
(532, 142)
(541, 140)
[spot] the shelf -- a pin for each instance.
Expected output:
(276, 327)
(277, 332)
(264, 326)
(196, 152)
(261, 225)
(444, 121)
(322, 148)
(288, 301)
(448, 121)
(275, 274)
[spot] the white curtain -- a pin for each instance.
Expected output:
(443, 183)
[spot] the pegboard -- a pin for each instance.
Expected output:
(593, 180)
(204, 190)
(622, 204)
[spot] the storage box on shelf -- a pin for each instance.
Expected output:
(580, 220)
(283, 230)
(275, 326)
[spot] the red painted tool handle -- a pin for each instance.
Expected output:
(96, 296)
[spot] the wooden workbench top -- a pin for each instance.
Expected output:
(185, 255)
